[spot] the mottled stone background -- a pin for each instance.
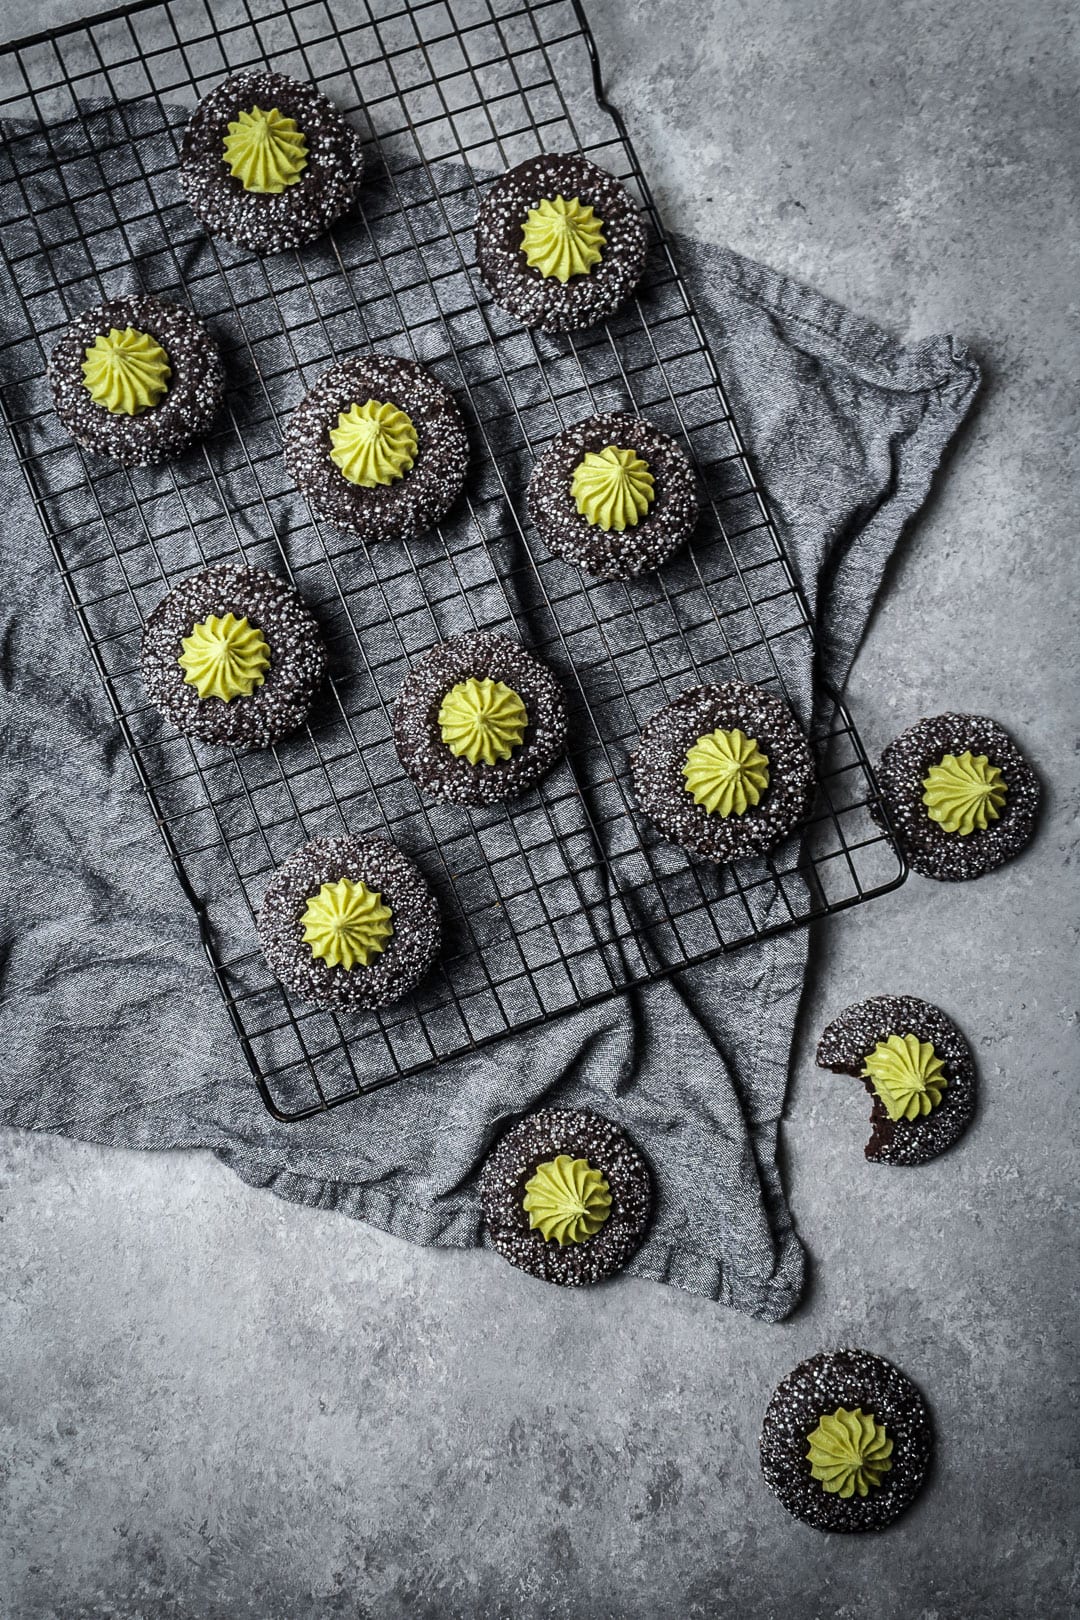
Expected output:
(216, 1404)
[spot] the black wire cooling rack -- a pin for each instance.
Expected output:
(564, 897)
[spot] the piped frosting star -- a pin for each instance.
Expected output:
(373, 444)
(126, 371)
(346, 924)
(562, 238)
(964, 793)
(224, 657)
(482, 721)
(726, 772)
(849, 1452)
(567, 1200)
(907, 1075)
(613, 488)
(265, 151)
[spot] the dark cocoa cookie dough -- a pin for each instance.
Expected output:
(661, 788)
(519, 287)
(848, 1042)
(609, 554)
(580, 1134)
(953, 857)
(195, 389)
(297, 657)
(413, 503)
(850, 1379)
(409, 952)
(484, 655)
(265, 222)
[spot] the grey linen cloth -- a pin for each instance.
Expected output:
(111, 1029)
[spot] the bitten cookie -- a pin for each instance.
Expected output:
(917, 1067)
(846, 1442)
(559, 242)
(724, 771)
(349, 922)
(136, 379)
(378, 447)
(962, 797)
(614, 496)
(268, 163)
(566, 1196)
(233, 657)
(478, 719)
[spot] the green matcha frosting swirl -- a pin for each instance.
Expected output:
(613, 488)
(346, 924)
(224, 657)
(373, 444)
(726, 772)
(126, 372)
(567, 1199)
(482, 721)
(907, 1075)
(265, 151)
(562, 238)
(849, 1452)
(964, 793)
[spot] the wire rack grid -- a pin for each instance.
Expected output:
(560, 899)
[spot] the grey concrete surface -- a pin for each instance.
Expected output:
(218, 1405)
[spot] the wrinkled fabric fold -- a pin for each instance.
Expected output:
(111, 1029)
